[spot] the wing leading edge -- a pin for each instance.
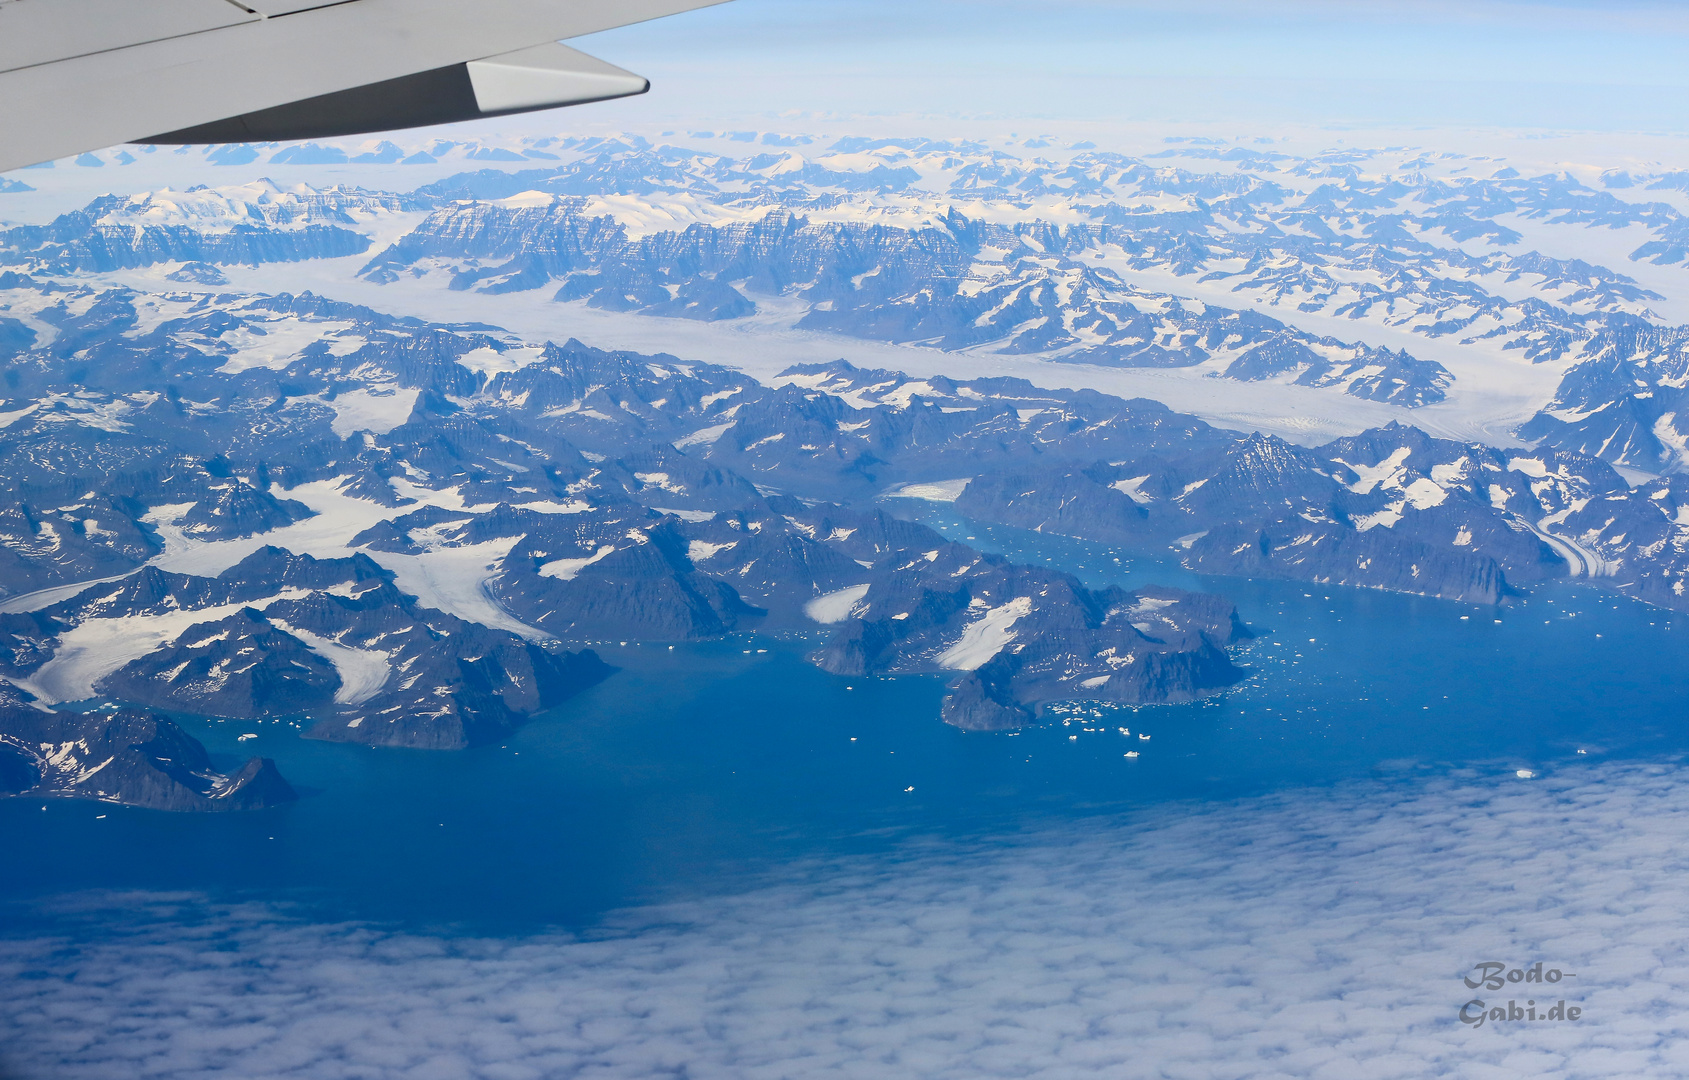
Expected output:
(201, 76)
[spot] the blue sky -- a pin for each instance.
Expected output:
(1611, 66)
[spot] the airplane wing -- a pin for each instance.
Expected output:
(78, 75)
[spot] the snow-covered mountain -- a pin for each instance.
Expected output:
(1421, 279)
(275, 506)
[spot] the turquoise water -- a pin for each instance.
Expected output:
(698, 769)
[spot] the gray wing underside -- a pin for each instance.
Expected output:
(82, 74)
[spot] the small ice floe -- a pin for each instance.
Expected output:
(99, 817)
(1131, 753)
(1524, 774)
(1144, 737)
(1583, 751)
(1125, 731)
(248, 735)
(907, 790)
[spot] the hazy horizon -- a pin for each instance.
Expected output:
(1606, 67)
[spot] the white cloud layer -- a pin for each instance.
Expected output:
(1311, 934)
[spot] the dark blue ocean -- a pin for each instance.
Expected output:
(702, 769)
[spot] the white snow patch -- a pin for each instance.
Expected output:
(935, 491)
(1370, 476)
(45, 598)
(660, 480)
(454, 580)
(986, 637)
(339, 517)
(275, 343)
(7, 419)
(1449, 472)
(1387, 517)
(95, 648)
(699, 550)
(1424, 494)
(489, 361)
(835, 607)
(566, 569)
(701, 437)
(363, 672)
(379, 411)
(1132, 489)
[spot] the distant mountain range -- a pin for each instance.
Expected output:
(1168, 260)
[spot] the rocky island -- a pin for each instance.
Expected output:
(123, 756)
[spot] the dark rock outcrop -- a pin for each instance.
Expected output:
(1061, 502)
(128, 757)
(1329, 553)
(647, 589)
(1022, 636)
(239, 667)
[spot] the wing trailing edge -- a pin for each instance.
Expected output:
(543, 77)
